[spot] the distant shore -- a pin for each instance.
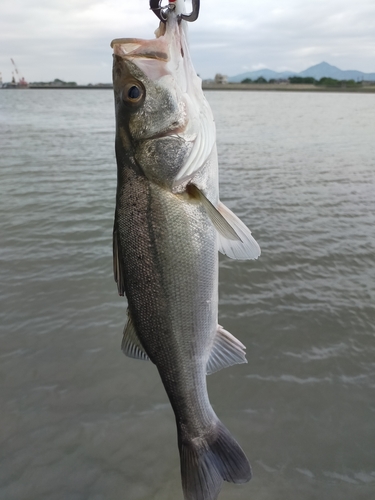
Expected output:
(286, 87)
(268, 87)
(71, 87)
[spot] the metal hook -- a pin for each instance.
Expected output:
(194, 14)
(162, 12)
(157, 9)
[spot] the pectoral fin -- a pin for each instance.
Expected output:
(226, 351)
(220, 223)
(131, 345)
(243, 249)
(235, 238)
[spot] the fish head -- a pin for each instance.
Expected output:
(146, 99)
(163, 120)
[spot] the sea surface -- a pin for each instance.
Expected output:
(79, 420)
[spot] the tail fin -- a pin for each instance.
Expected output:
(205, 464)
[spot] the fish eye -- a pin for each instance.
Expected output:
(133, 93)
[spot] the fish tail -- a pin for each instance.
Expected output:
(206, 463)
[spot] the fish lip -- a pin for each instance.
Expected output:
(137, 42)
(121, 41)
(170, 133)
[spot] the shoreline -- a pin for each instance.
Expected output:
(291, 87)
(250, 87)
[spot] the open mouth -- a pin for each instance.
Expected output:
(137, 48)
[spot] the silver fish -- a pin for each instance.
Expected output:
(169, 225)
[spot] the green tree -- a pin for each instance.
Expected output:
(301, 79)
(350, 83)
(329, 82)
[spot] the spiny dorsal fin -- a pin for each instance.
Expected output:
(117, 266)
(235, 238)
(226, 351)
(131, 345)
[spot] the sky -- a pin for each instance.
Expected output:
(70, 39)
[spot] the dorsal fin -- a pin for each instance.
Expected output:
(131, 346)
(117, 265)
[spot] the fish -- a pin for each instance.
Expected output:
(169, 226)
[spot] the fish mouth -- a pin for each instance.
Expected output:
(152, 57)
(140, 49)
(176, 133)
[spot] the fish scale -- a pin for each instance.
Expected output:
(171, 338)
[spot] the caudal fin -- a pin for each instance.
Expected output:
(206, 463)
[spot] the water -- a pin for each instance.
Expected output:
(80, 421)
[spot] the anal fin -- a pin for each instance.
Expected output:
(226, 351)
(131, 346)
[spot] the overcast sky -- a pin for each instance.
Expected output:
(69, 39)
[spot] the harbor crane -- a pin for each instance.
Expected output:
(21, 81)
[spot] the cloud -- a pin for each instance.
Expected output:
(70, 39)
(67, 39)
(294, 35)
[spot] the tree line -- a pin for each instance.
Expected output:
(324, 82)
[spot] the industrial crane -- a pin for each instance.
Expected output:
(21, 81)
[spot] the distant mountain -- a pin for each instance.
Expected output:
(318, 71)
(326, 70)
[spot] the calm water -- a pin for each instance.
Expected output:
(78, 420)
